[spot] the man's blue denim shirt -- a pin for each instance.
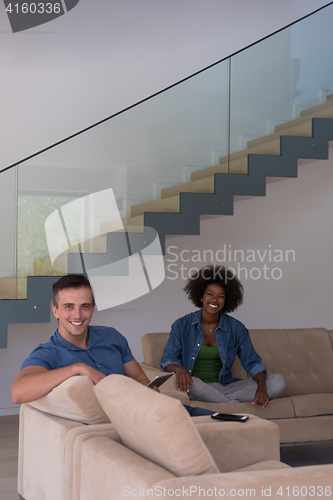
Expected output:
(232, 338)
(107, 351)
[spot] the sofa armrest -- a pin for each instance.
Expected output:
(151, 372)
(303, 482)
(42, 451)
(110, 470)
(239, 444)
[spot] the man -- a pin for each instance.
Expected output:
(76, 348)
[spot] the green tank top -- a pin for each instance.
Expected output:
(208, 364)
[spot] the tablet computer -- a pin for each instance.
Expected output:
(160, 379)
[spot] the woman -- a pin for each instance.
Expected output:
(203, 345)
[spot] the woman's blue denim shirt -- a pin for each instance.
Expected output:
(232, 338)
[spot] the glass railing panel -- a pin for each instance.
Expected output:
(312, 40)
(8, 283)
(275, 80)
(152, 146)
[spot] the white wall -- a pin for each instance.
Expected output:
(296, 214)
(101, 57)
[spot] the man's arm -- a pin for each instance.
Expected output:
(133, 369)
(34, 382)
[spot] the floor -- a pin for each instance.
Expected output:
(8, 458)
(307, 454)
(293, 455)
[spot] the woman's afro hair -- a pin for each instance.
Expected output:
(198, 282)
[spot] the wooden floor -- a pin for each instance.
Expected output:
(293, 455)
(8, 458)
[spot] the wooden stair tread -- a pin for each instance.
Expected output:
(169, 205)
(108, 227)
(11, 288)
(205, 185)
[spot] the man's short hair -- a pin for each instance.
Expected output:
(71, 281)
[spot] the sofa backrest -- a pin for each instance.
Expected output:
(153, 345)
(304, 356)
(330, 334)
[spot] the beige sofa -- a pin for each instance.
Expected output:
(151, 448)
(163, 452)
(54, 428)
(304, 356)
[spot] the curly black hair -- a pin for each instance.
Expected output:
(222, 276)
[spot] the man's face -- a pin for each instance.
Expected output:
(74, 311)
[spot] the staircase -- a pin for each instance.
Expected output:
(211, 191)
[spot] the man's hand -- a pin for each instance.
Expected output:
(94, 375)
(156, 389)
(261, 397)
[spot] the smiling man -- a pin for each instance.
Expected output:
(75, 348)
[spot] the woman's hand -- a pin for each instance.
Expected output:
(261, 397)
(183, 379)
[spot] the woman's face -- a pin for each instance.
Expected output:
(213, 299)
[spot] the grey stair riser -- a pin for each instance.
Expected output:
(35, 309)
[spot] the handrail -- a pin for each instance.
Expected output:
(165, 89)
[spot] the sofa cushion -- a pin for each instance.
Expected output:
(266, 465)
(155, 426)
(279, 408)
(258, 440)
(312, 405)
(73, 399)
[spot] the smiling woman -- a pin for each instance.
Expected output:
(203, 345)
(225, 278)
